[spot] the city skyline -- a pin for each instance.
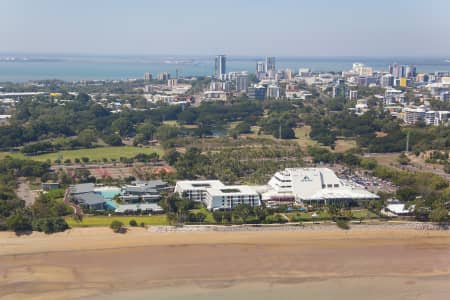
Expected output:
(287, 28)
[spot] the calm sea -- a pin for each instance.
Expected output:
(125, 67)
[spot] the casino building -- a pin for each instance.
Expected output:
(312, 185)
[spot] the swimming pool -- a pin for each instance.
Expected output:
(108, 192)
(111, 205)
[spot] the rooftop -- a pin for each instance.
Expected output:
(151, 183)
(139, 189)
(82, 188)
(90, 198)
(313, 184)
(200, 185)
(232, 190)
(400, 209)
(135, 207)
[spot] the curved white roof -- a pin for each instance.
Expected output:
(313, 184)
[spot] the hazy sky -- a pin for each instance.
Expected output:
(235, 27)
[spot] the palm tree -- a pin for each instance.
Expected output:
(242, 211)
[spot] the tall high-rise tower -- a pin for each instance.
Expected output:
(260, 67)
(220, 68)
(242, 82)
(270, 64)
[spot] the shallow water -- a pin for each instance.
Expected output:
(347, 288)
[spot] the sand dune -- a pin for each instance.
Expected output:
(97, 263)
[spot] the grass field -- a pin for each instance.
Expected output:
(104, 221)
(302, 137)
(255, 135)
(171, 123)
(357, 214)
(176, 124)
(363, 213)
(93, 154)
(344, 145)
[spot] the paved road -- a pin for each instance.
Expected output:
(198, 99)
(77, 209)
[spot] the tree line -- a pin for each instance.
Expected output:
(45, 214)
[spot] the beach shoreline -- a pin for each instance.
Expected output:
(95, 263)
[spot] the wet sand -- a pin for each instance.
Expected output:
(94, 263)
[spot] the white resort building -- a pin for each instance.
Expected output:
(230, 196)
(291, 186)
(312, 185)
(196, 190)
(215, 195)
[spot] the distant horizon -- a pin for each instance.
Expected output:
(212, 55)
(71, 67)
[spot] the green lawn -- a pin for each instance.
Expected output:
(343, 145)
(93, 154)
(357, 214)
(302, 137)
(12, 154)
(104, 221)
(363, 213)
(307, 216)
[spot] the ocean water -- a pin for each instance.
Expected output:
(39, 67)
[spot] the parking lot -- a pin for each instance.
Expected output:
(363, 179)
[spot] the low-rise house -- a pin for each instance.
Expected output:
(143, 191)
(84, 194)
(215, 96)
(298, 95)
(130, 198)
(82, 188)
(400, 209)
(145, 207)
(361, 107)
(91, 201)
(48, 186)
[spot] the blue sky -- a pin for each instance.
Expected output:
(259, 27)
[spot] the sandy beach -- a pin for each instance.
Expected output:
(94, 263)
